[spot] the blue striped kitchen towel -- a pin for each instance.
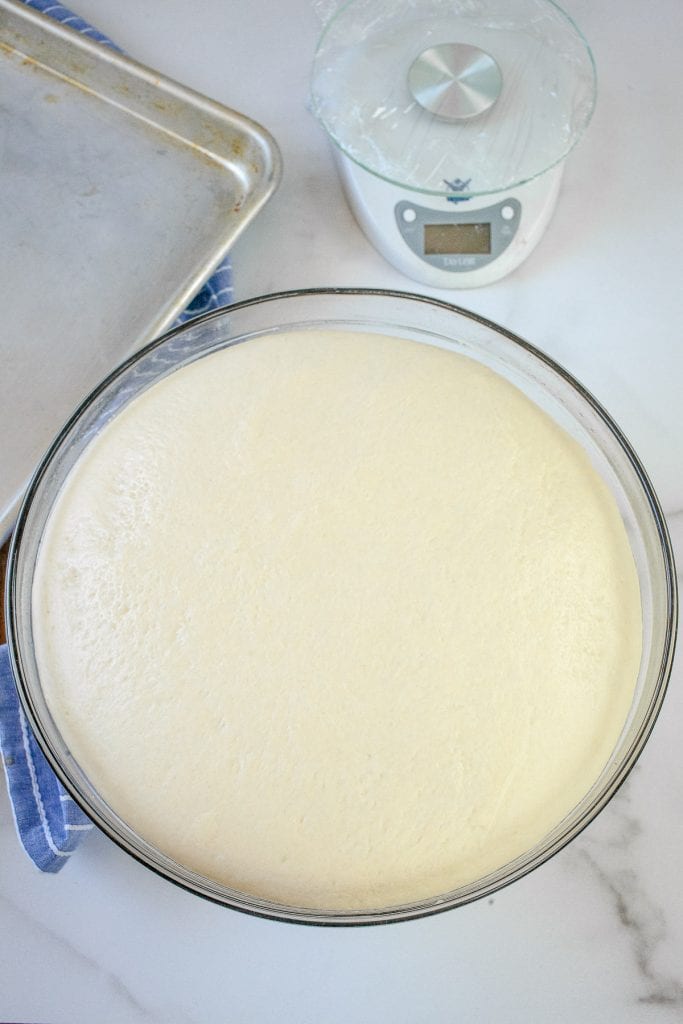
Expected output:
(50, 825)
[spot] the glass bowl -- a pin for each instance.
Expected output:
(430, 322)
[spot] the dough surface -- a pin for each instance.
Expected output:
(339, 620)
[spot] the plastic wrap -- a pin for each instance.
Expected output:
(360, 94)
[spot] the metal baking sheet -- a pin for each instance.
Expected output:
(120, 191)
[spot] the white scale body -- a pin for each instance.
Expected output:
(445, 243)
(451, 125)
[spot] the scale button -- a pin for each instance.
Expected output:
(409, 215)
(507, 213)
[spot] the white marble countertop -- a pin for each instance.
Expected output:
(596, 934)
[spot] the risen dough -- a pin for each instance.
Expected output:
(339, 620)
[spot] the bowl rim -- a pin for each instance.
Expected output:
(267, 909)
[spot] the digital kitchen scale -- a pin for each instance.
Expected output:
(451, 121)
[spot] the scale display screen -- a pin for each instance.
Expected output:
(456, 239)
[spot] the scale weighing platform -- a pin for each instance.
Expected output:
(451, 123)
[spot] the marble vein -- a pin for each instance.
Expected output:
(646, 925)
(610, 862)
(59, 940)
